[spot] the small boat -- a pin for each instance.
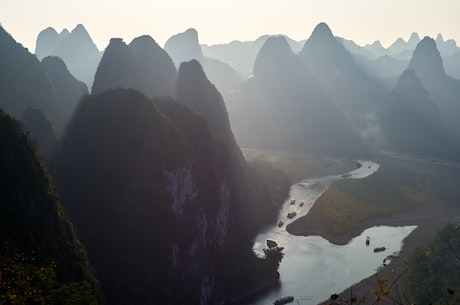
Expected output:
(368, 240)
(284, 300)
(301, 203)
(280, 224)
(291, 215)
(292, 201)
(379, 249)
(271, 244)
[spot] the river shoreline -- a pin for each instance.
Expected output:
(428, 219)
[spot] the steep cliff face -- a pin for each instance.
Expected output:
(34, 227)
(185, 46)
(194, 90)
(153, 195)
(444, 90)
(69, 90)
(75, 48)
(283, 107)
(155, 71)
(411, 122)
(141, 65)
(354, 92)
(41, 131)
(24, 82)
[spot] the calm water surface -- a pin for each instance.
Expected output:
(313, 268)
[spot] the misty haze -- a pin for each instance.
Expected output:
(275, 170)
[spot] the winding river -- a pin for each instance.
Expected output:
(312, 268)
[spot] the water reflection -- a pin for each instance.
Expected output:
(313, 268)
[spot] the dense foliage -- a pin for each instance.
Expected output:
(435, 275)
(153, 192)
(39, 248)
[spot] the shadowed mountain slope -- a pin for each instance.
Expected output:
(153, 192)
(41, 131)
(185, 47)
(23, 81)
(76, 49)
(68, 89)
(141, 65)
(54, 266)
(282, 107)
(411, 122)
(443, 90)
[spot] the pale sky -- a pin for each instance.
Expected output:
(221, 21)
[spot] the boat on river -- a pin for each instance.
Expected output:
(379, 249)
(292, 201)
(301, 203)
(291, 215)
(368, 240)
(280, 224)
(284, 300)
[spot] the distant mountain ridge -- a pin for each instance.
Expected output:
(24, 81)
(283, 107)
(75, 48)
(443, 89)
(141, 65)
(185, 46)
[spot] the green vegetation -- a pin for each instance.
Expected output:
(39, 248)
(435, 274)
(24, 281)
(396, 187)
(274, 256)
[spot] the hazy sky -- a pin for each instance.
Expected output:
(220, 21)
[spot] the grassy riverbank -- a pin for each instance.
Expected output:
(399, 187)
(401, 192)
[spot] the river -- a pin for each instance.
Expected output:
(312, 268)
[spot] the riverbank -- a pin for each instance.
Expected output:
(429, 217)
(401, 193)
(429, 220)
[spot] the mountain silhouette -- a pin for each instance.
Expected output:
(446, 47)
(195, 90)
(24, 82)
(185, 46)
(241, 55)
(141, 65)
(401, 49)
(116, 68)
(411, 122)
(452, 65)
(155, 71)
(43, 256)
(47, 41)
(376, 49)
(41, 131)
(444, 90)
(76, 48)
(68, 89)
(153, 192)
(354, 92)
(284, 108)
